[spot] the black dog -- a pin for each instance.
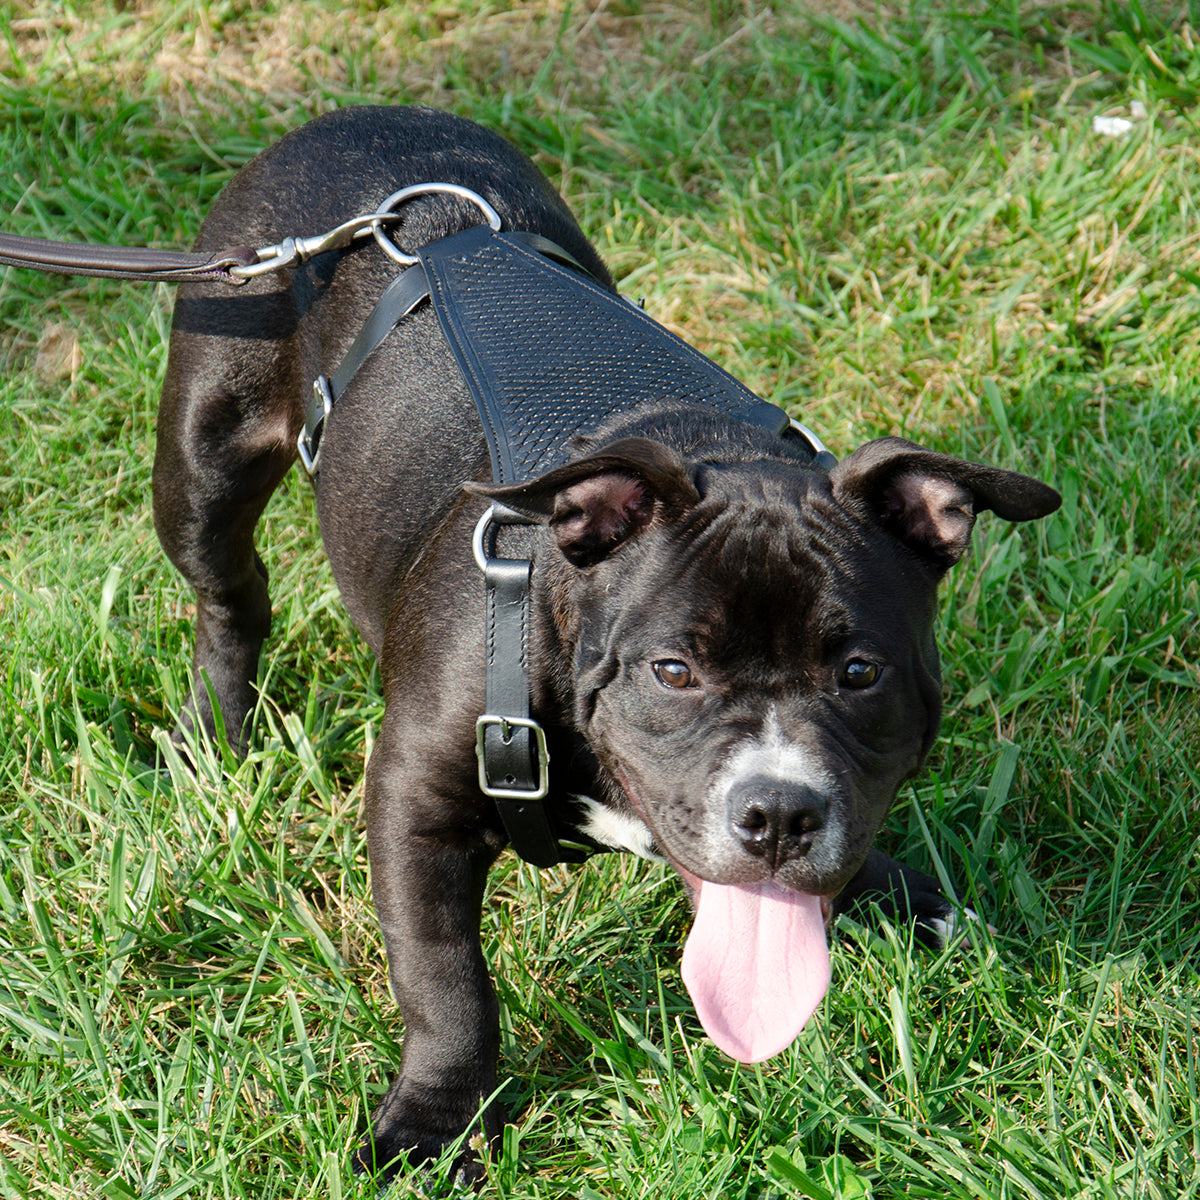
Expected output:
(731, 645)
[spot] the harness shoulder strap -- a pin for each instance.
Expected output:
(400, 297)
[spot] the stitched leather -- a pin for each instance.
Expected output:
(120, 262)
(548, 353)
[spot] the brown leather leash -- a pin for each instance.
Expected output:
(119, 262)
(233, 266)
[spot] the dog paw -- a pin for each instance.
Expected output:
(903, 896)
(414, 1127)
(949, 927)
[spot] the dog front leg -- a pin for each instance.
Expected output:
(428, 872)
(903, 895)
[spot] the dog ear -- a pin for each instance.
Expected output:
(930, 500)
(596, 503)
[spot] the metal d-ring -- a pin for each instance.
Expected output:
(818, 446)
(479, 546)
(394, 201)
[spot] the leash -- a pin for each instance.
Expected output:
(234, 266)
(496, 293)
(167, 266)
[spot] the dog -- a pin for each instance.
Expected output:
(730, 646)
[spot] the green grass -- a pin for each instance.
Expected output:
(892, 218)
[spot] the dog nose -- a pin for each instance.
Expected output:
(775, 819)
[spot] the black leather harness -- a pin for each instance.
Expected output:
(548, 353)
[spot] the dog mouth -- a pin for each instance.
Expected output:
(756, 964)
(756, 961)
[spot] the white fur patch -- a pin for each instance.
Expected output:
(769, 753)
(944, 929)
(948, 928)
(620, 830)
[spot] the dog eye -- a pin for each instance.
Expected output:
(674, 674)
(859, 673)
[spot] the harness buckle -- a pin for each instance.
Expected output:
(507, 725)
(308, 442)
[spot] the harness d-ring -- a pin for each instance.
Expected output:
(396, 199)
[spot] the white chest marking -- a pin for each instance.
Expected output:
(620, 830)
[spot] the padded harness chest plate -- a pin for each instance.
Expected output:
(549, 354)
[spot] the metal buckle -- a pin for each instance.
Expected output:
(507, 725)
(306, 437)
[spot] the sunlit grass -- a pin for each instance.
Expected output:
(892, 219)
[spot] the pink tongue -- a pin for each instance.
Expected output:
(756, 964)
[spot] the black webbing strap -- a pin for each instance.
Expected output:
(400, 297)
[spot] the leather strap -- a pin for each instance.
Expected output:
(512, 759)
(399, 298)
(118, 262)
(511, 747)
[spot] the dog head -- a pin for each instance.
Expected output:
(754, 653)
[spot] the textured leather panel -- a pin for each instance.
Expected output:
(549, 354)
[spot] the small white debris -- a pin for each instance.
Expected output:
(1119, 127)
(1114, 127)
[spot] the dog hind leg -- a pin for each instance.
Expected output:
(226, 437)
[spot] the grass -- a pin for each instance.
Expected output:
(891, 217)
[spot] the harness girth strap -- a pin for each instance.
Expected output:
(512, 759)
(399, 298)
